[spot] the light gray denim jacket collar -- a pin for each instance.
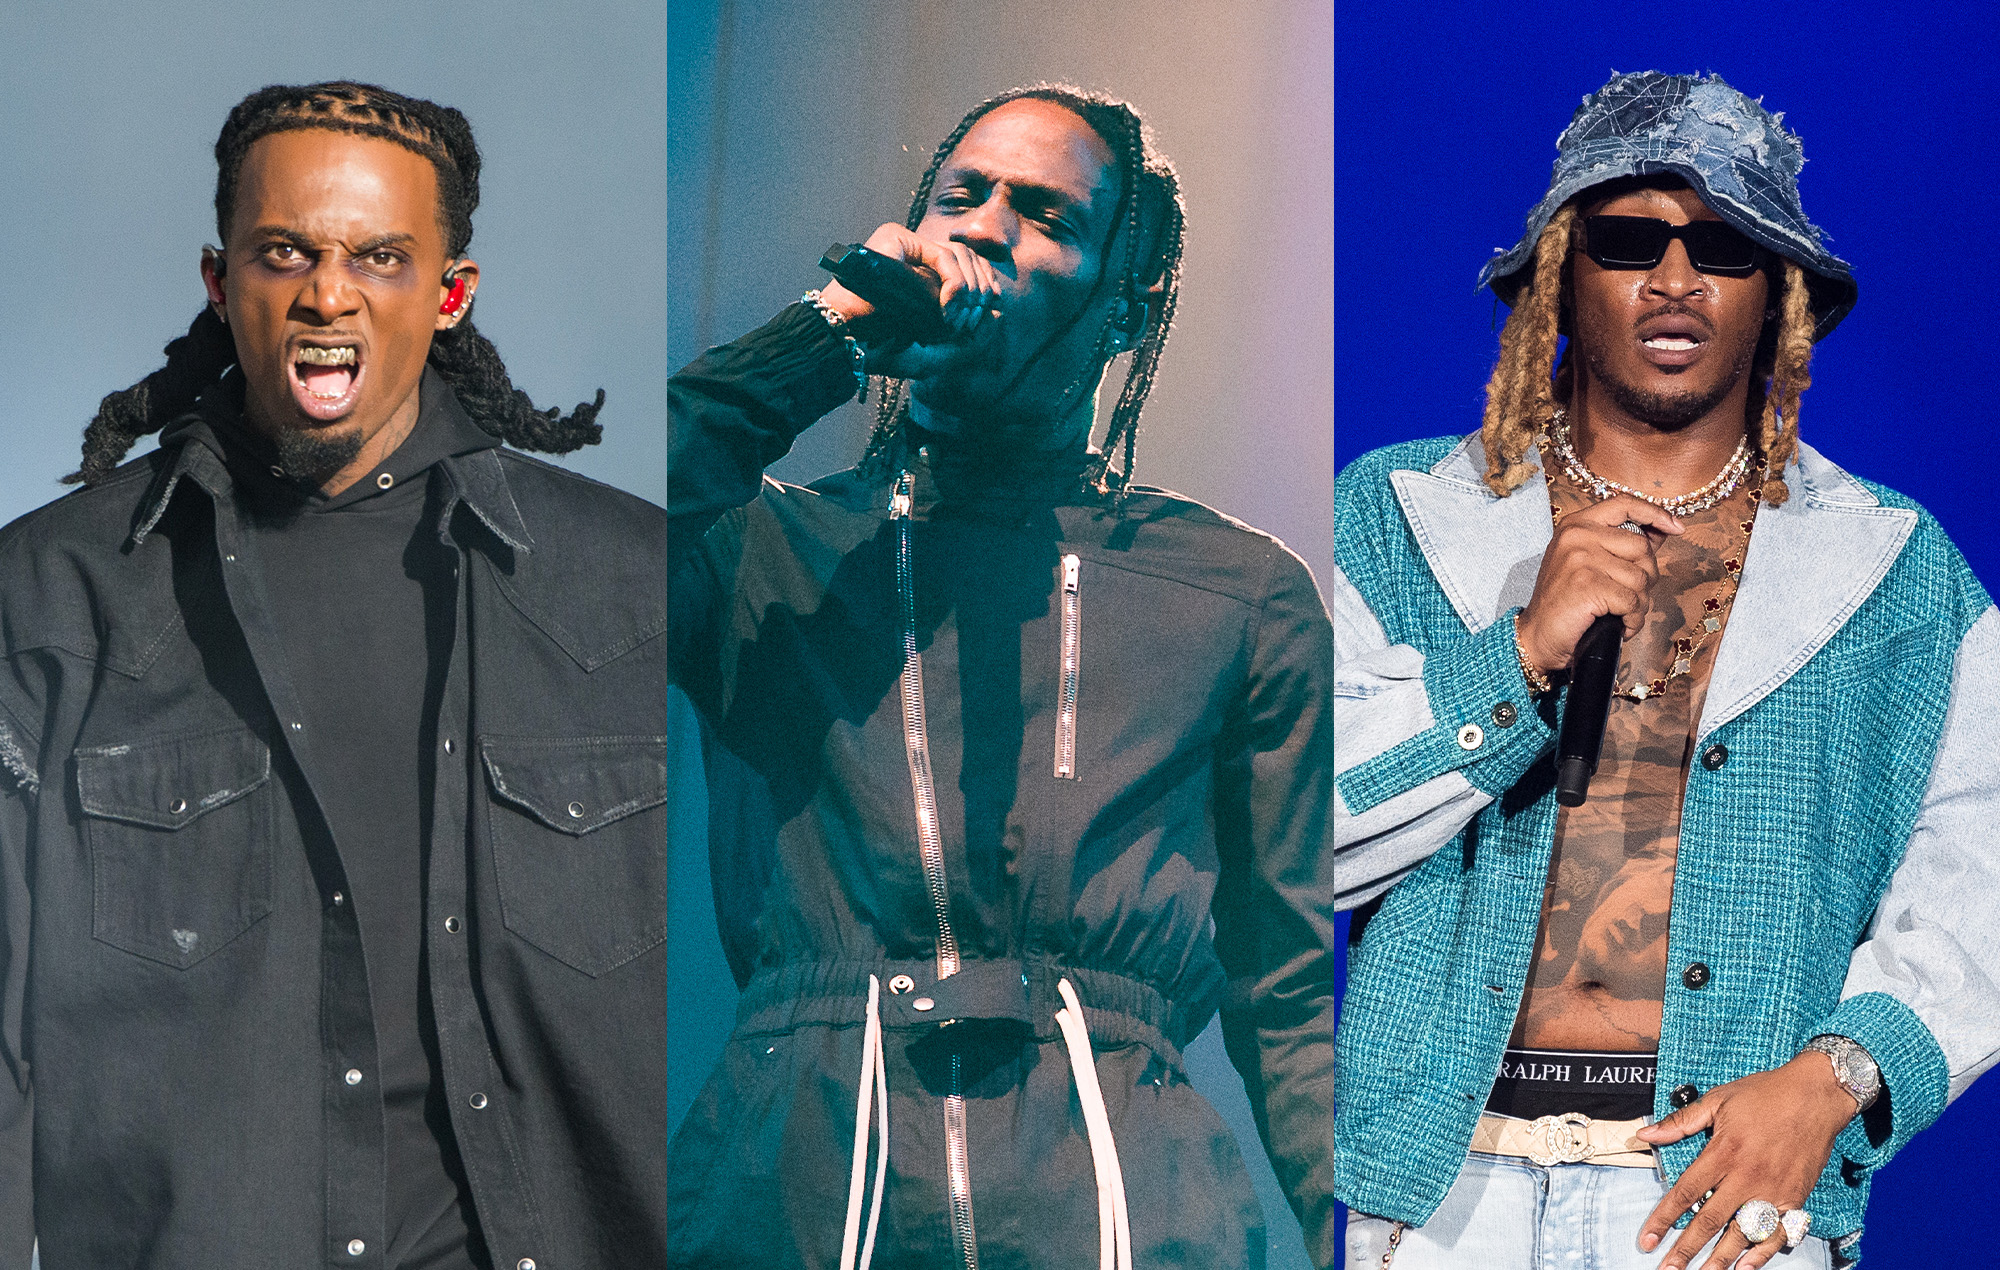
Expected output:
(1811, 563)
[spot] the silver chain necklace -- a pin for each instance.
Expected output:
(1700, 500)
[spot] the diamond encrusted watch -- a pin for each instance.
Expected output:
(1852, 1067)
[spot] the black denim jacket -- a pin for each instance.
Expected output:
(182, 990)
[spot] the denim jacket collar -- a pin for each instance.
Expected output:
(477, 479)
(1811, 563)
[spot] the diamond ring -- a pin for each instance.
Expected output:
(1758, 1220)
(1794, 1222)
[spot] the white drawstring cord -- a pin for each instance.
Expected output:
(875, 1081)
(1114, 1228)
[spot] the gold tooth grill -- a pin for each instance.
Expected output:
(313, 355)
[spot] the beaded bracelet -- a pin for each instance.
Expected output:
(838, 321)
(1538, 682)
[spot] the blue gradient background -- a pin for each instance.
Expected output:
(1446, 127)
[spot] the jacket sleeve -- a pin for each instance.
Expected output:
(18, 787)
(731, 413)
(1424, 741)
(1274, 898)
(1923, 989)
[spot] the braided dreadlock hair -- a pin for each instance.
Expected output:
(1521, 395)
(1153, 216)
(466, 359)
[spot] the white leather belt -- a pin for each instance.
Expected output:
(1571, 1138)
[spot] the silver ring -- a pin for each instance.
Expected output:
(1794, 1222)
(1758, 1220)
(1632, 527)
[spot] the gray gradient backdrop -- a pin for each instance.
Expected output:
(110, 112)
(796, 123)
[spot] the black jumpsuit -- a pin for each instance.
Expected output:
(1107, 767)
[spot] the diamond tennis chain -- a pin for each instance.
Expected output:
(1700, 500)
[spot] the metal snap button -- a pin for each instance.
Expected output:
(525, 1263)
(384, 481)
(354, 1075)
(1505, 713)
(922, 1004)
(449, 748)
(1714, 757)
(451, 925)
(1683, 1095)
(338, 899)
(355, 1247)
(901, 984)
(576, 811)
(478, 1102)
(178, 806)
(1471, 737)
(1695, 976)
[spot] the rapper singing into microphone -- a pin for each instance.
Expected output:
(1045, 758)
(332, 766)
(1771, 923)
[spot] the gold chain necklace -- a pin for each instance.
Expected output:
(1715, 608)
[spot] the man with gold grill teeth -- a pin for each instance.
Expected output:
(332, 837)
(1020, 768)
(1773, 923)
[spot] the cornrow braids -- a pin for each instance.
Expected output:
(194, 361)
(478, 378)
(1153, 215)
(1520, 398)
(466, 359)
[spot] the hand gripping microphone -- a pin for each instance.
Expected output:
(1592, 673)
(1586, 708)
(905, 296)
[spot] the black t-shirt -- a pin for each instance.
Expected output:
(363, 592)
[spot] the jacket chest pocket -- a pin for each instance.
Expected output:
(579, 829)
(180, 842)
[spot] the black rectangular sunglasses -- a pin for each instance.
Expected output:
(1640, 242)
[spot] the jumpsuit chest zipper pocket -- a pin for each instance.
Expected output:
(1070, 664)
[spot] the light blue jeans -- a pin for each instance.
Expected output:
(1508, 1214)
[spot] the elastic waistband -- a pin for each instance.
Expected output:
(1605, 1086)
(1116, 1008)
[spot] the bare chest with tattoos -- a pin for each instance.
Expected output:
(1598, 981)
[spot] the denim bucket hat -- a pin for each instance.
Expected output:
(1738, 156)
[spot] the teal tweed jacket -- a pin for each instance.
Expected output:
(1837, 871)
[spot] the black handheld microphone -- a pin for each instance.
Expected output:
(905, 296)
(1585, 709)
